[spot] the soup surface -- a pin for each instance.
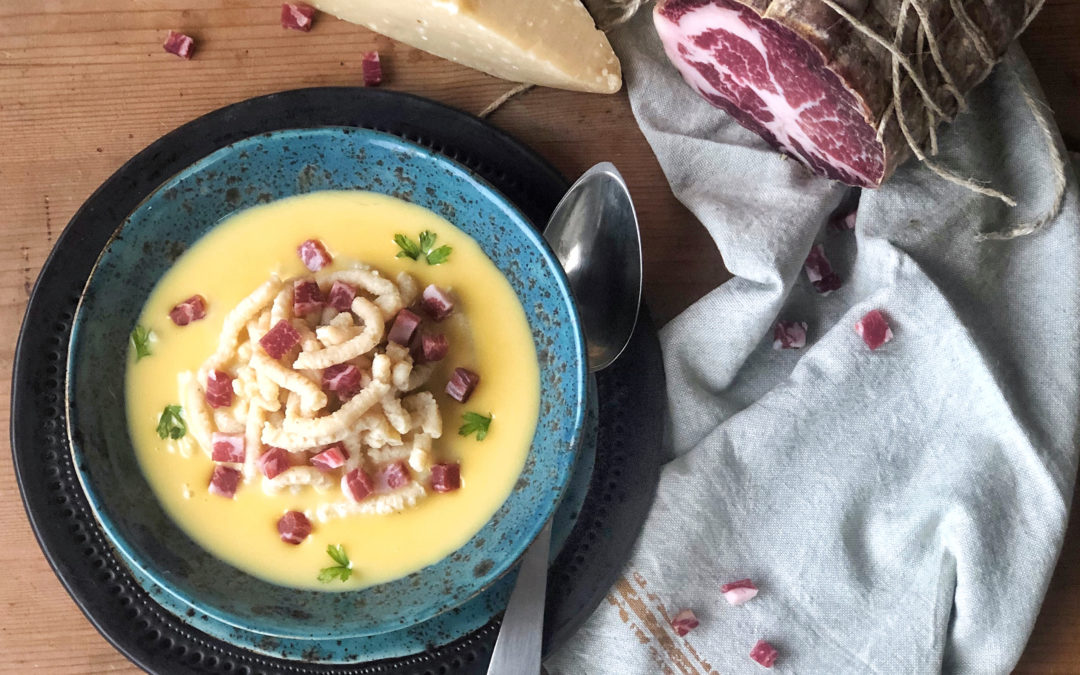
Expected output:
(487, 334)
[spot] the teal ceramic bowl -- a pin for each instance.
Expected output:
(174, 216)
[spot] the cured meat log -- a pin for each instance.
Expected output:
(816, 87)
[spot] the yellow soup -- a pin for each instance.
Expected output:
(495, 341)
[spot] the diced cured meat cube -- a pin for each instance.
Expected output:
(874, 329)
(684, 622)
(820, 272)
(392, 476)
(434, 347)
(274, 461)
(341, 296)
(307, 297)
(437, 302)
(764, 653)
(738, 592)
(192, 309)
(844, 222)
(227, 447)
(789, 335)
(330, 458)
(372, 68)
(179, 44)
(297, 16)
(445, 477)
(357, 485)
(341, 377)
(224, 481)
(314, 255)
(294, 527)
(461, 384)
(405, 324)
(280, 339)
(219, 391)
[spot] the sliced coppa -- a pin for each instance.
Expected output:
(294, 527)
(874, 329)
(738, 592)
(357, 485)
(461, 384)
(789, 335)
(224, 481)
(437, 302)
(314, 255)
(307, 297)
(371, 66)
(227, 447)
(274, 461)
(341, 296)
(764, 653)
(405, 324)
(192, 309)
(330, 458)
(179, 44)
(684, 622)
(434, 347)
(445, 477)
(280, 339)
(297, 16)
(820, 272)
(219, 391)
(392, 476)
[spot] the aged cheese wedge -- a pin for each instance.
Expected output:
(553, 43)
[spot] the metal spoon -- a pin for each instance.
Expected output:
(594, 233)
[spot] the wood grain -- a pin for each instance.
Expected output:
(84, 86)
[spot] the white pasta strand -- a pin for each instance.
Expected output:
(387, 295)
(312, 397)
(391, 502)
(361, 344)
(248, 309)
(196, 415)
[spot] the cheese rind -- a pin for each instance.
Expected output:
(552, 43)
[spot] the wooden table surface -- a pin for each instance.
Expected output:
(84, 86)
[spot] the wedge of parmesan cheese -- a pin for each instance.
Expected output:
(553, 43)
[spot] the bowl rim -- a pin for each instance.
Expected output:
(580, 372)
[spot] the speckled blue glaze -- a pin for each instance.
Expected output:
(261, 169)
(438, 630)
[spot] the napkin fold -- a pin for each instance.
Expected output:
(901, 510)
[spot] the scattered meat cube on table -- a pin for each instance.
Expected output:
(789, 335)
(274, 461)
(405, 324)
(224, 481)
(192, 309)
(297, 16)
(874, 329)
(820, 272)
(371, 66)
(219, 391)
(437, 302)
(294, 527)
(227, 447)
(357, 485)
(461, 384)
(738, 592)
(280, 339)
(314, 255)
(445, 477)
(684, 622)
(764, 653)
(179, 44)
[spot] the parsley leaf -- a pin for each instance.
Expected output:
(439, 255)
(171, 423)
(475, 422)
(427, 240)
(140, 340)
(408, 247)
(343, 569)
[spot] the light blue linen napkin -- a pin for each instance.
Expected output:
(901, 510)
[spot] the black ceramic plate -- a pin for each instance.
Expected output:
(631, 394)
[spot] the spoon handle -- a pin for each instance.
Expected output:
(517, 649)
